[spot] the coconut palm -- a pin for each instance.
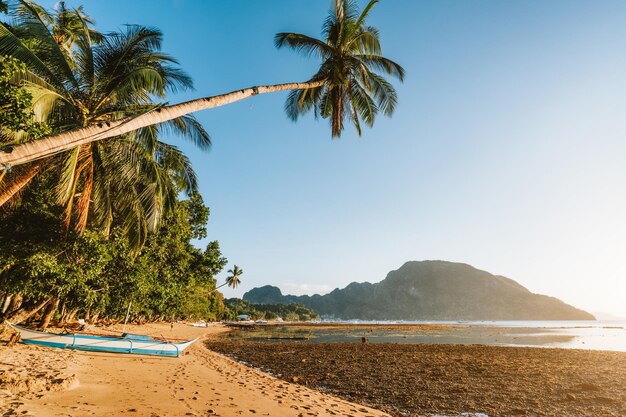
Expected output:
(346, 85)
(232, 280)
(351, 57)
(79, 78)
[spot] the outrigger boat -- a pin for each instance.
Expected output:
(126, 343)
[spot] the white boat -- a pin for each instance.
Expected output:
(126, 343)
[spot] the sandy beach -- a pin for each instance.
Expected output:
(37, 381)
(347, 379)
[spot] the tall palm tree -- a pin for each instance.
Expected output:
(79, 78)
(351, 56)
(345, 86)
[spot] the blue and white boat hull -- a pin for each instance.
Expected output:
(142, 345)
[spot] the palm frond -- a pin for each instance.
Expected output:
(190, 128)
(67, 180)
(301, 101)
(303, 44)
(34, 23)
(384, 93)
(382, 64)
(178, 166)
(354, 114)
(361, 20)
(130, 69)
(84, 53)
(11, 45)
(366, 42)
(363, 103)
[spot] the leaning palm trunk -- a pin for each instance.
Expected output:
(48, 313)
(51, 145)
(216, 288)
(20, 182)
(18, 317)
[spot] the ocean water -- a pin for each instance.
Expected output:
(582, 334)
(594, 335)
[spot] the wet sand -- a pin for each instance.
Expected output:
(38, 381)
(426, 379)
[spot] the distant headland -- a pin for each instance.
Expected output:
(430, 290)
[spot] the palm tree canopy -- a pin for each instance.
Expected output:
(351, 58)
(233, 280)
(79, 77)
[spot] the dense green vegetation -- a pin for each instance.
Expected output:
(93, 275)
(287, 312)
(78, 77)
(16, 103)
(75, 242)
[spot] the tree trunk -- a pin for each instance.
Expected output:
(20, 182)
(63, 313)
(16, 303)
(72, 315)
(25, 315)
(48, 313)
(6, 303)
(42, 148)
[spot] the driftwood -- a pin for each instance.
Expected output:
(15, 338)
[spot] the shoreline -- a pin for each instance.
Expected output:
(39, 381)
(600, 338)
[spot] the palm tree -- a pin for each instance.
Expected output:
(351, 57)
(345, 85)
(232, 280)
(79, 78)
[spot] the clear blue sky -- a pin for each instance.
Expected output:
(506, 151)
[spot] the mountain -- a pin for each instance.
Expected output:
(430, 290)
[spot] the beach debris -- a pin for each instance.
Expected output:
(14, 339)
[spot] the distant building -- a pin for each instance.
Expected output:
(243, 317)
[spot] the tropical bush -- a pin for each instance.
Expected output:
(287, 312)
